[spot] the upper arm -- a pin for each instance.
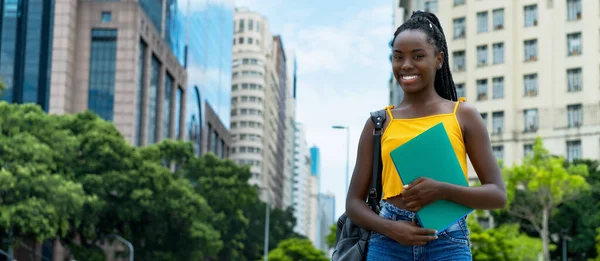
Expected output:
(478, 147)
(361, 176)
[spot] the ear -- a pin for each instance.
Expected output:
(439, 60)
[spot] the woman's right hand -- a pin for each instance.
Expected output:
(409, 234)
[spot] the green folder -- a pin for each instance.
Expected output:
(430, 154)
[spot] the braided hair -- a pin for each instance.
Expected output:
(429, 24)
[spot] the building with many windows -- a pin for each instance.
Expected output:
(259, 105)
(531, 68)
(327, 218)
(207, 47)
(118, 59)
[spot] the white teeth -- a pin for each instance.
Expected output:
(409, 77)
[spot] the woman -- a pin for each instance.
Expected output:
(420, 65)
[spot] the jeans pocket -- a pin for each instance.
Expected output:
(456, 233)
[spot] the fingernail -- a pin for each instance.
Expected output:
(435, 231)
(405, 186)
(436, 237)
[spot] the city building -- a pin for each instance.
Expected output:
(312, 201)
(301, 179)
(327, 218)
(290, 129)
(258, 104)
(208, 61)
(116, 59)
(531, 69)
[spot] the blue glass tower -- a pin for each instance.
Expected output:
(208, 59)
(26, 50)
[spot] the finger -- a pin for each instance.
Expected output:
(425, 239)
(425, 231)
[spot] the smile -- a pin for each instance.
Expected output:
(410, 77)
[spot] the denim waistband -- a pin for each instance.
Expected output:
(389, 211)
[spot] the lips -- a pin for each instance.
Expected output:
(409, 78)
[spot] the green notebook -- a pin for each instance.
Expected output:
(430, 154)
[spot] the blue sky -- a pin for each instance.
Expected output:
(343, 68)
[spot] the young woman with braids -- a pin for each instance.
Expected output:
(420, 64)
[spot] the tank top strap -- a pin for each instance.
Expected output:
(389, 111)
(461, 99)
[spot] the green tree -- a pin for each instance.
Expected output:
(544, 182)
(295, 249)
(598, 243)
(331, 237)
(504, 243)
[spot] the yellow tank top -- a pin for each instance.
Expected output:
(400, 131)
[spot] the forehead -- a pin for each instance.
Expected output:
(411, 39)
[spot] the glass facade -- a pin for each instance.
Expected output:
(208, 60)
(103, 63)
(153, 99)
(26, 50)
(178, 101)
(167, 107)
(153, 9)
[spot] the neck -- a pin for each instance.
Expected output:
(423, 97)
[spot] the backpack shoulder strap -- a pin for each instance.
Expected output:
(378, 118)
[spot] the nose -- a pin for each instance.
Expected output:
(407, 65)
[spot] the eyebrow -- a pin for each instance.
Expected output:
(413, 51)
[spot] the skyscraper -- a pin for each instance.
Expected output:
(259, 105)
(208, 51)
(326, 219)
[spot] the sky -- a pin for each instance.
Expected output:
(343, 71)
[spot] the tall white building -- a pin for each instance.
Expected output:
(258, 110)
(531, 68)
(301, 176)
(290, 127)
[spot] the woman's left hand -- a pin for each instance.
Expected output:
(421, 192)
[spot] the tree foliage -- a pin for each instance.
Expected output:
(294, 249)
(539, 185)
(75, 178)
(504, 243)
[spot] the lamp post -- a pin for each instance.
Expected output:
(124, 241)
(267, 214)
(347, 152)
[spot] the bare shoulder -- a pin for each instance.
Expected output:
(469, 117)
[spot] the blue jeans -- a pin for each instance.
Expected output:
(452, 243)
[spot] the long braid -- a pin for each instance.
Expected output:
(429, 24)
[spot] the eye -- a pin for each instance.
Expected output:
(397, 57)
(418, 56)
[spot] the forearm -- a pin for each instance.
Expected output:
(366, 218)
(487, 196)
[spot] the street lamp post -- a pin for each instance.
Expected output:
(347, 152)
(124, 241)
(267, 224)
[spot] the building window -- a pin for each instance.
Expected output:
(574, 80)
(431, 6)
(214, 142)
(241, 40)
(460, 90)
(250, 25)
(459, 28)
(103, 63)
(167, 107)
(482, 22)
(153, 99)
(498, 152)
(459, 2)
(498, 50)
(530, 50)
(140, 92)
(527, 149)
(573, 10)
(459, 61)
(531, 120)
(574, 44)
(249, 40)
(531, 15)
(484, 117)
(106, 17)
(530, 83)
(573, 150)
(178, 101)
(241, 29)
(482, 55)
(574, 115)
(497, 122)
(153, 8)
(482, 89)
(498, 87)
(498, 19)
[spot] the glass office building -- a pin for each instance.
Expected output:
(26, 50)
(209, 34)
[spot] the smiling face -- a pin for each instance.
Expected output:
(415, 61)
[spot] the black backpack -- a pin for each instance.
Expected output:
(352, 241)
